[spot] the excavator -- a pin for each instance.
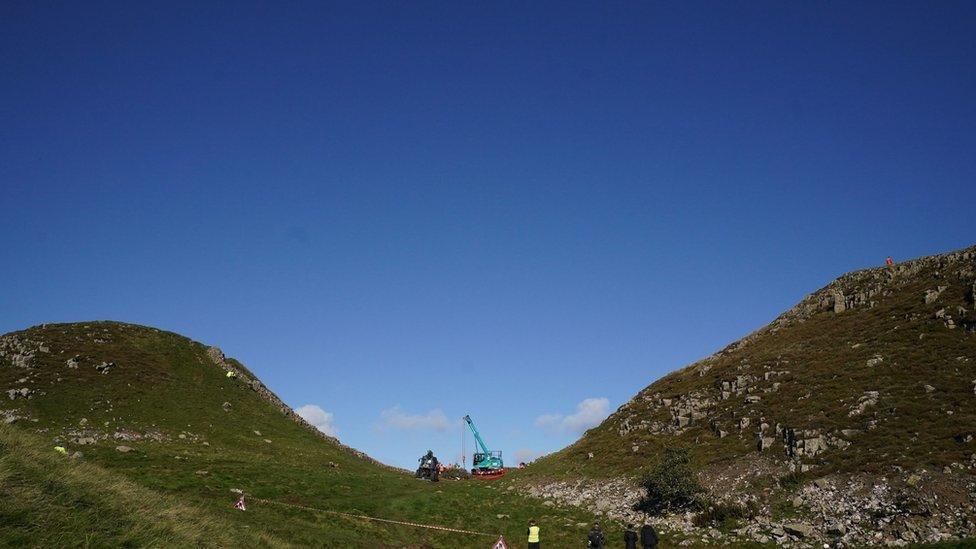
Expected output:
(486, 463)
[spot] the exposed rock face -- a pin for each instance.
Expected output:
(851, 510)
(216, 355)
(839, 305)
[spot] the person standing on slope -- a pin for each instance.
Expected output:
(630, 537)
(595, 539)
(648, 536)
(533, 533)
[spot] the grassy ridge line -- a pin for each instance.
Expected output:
(47, 499)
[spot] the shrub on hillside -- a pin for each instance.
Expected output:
(671, 485)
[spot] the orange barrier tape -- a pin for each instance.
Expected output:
(364, 517)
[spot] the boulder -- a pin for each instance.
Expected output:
(23, 392)
(226, 406)
(798, 529)
(124, 449)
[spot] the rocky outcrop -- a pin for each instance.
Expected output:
(842, 511)
(19, 351)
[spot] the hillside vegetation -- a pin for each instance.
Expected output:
(51, 500)
(852, 414)
(154, 430)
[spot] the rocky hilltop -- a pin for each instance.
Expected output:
(849, 419)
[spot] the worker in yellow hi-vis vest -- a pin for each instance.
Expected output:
(533, 535)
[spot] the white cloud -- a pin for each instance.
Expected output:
(396, 418)
(318, 417)
(589, 413)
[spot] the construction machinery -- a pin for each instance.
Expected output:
(429, 467)
(486, 463)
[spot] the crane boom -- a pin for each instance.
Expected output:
(477, 437)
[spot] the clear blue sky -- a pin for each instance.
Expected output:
(404, 212)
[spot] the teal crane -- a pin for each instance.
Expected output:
(485, 463)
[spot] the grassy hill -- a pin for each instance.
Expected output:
(867, 382)
(164, 436)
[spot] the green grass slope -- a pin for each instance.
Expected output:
(52, 500)
(194, 436)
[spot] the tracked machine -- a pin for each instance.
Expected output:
(486, 464)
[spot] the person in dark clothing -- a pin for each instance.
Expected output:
(595, 539)
(630, 537)
(648, 536)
